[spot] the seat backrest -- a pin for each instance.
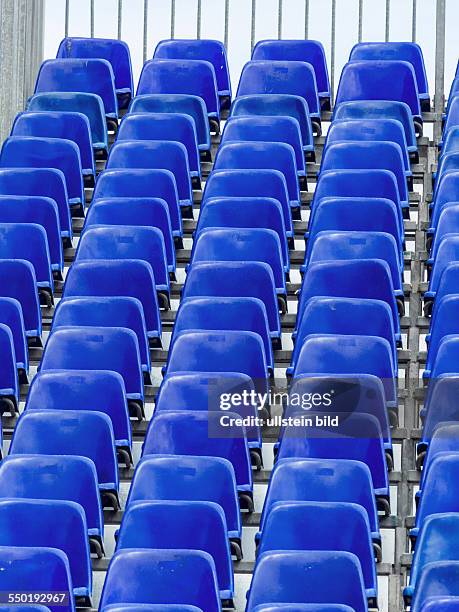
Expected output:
(11, 315)
(448, 251)
(446, 191)
(439, 489)
(436, 580)
(18, 281)
(28, 241)
(440, 405)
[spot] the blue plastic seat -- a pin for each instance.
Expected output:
(28, 241)
(177, 127)
(9, 385)
(70, 432)
(105, 311)
(273, 105)
(151, 155)
(184, 104)
(53, 524)
(115, 278)
(343, 315)
(88, 104)
(148, 212)
(127, 242)
(37, 569)
(436, 580)
(201, 434)
(346, 279)
(183, 525)
(39, 152)
(310, 51)
(212, 51)
(236, 279)
(228, 244)
(195, 77)
(162, 577)
(380, 80)
(322, 480)
(142, 184)
(439, 406)
(247, 213)
(18, 281)
(222, 314)
(371, 130)
(452, 116)
(447, 252)
(322, 526)
(450, 143)
(68, 478)
(100, 390)
(114, 51)
(404, 51)
(444, 441)
(446, 194)
(257, 183)
(380, 109)
(267, 129)
(97, 348)
(448, 162)
(151, 608)
(192, 478)
(263, 156)
(59, 124)
(368, 155)
(301, 608)
(40, 182)
(282, 77)
(308, 577)
(444, 323)
(441, 604)
(93, 76)
(40, 211)
(349, 354)
(11, 315)
(449, 283)
(448, 223)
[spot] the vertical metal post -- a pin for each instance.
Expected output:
(120, 18)
(280, 10)
(439, 97)
(414, 21)
(360, 19)
(227, 8)
(172, 18)
(145, 30)
(306, 19)
(333, 50)
(199, 19)
(92, 18)
(387, 20)
(67, 13)
(253, 24)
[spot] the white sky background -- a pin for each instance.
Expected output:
(159, 18)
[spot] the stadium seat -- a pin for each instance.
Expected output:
(185, 104)
(93, 76)
(71, 432)
(88, 104)
(236, 279)
(274, 105)
(441, 604)
(267, 129)
(444, 441)
(450, 143)
(380, 109)
(448, 162)
(127, 242)
(302, 608)
(100, 390)
(201, 434)
(444, 323)
(380, 80)
(448, 223)
(224, 313)
(36, 569)
(11, 316)
(40, 182)
(282, 77)
(436, 580)
(263, 156)
(153, 155)
(17, 280)
(446, 194)
(9, 385)
(35, 152)
(162, 577)
(257, 183)
(105, 311)
(447, 252)
(452, 116)
(405, 51)
(245, 213)
(67, 478)
(309, 51)
(304, 526)
(439, 406)
(97, 348)
(196, 77)
(357, 437)
(38, 210)
(322, 480)
(344, 279)
(148, 212)
(59, 124)
(177, 127)
(236, 244)
(120, 277)
(453, 91)
(308, 577)
(53, 524)
(212, 51)
(116, 52)
(182, 525)
(142, 184)
(150, 608)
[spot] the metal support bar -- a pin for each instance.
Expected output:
(439, 97)
(360, 19)
(145, 30)
(172, 18)
(120, 19)
(92, 18)
(386, 35)
(253, 22)
(306, 19)
(199, 19)
(280, 11)
(414, 21)
(333, 50)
